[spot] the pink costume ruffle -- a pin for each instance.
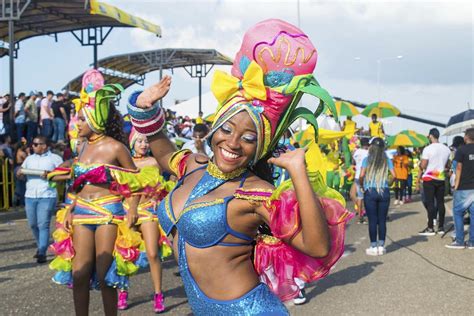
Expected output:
(278, 263)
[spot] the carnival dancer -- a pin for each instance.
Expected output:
(156, 244)
(217, 206)
(93, 245)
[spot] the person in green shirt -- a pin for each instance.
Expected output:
(31, 111)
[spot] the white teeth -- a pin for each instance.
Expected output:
(229, 155)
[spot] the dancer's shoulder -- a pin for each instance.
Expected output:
(184, 161)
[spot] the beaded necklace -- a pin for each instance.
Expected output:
(95, 140)
(215, 172)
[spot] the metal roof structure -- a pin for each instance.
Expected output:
(49, 17)
(90, 21)
(128, 69)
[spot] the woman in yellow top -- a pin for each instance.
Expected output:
(376, 127)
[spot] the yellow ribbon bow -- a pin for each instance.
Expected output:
(81, 101)
(84, 97)
(224, 86)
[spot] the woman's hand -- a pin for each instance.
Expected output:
(292, 161)
(154, 93)
(68, 221)
(132, 217)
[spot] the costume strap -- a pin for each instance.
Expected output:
(256, 195)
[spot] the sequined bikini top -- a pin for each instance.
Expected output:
(121, 180)
(201, 224)
(95, 173)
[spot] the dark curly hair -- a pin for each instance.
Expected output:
(264, 170)
(114, 126)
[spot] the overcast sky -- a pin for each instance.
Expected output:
(434, 79)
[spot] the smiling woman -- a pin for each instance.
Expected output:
(216, 209)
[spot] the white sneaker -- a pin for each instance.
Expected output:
(396, 202)
(401, 202)
(372, 251)
(381, 250)
(300, 299)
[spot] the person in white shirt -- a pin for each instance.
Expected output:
(358, 156)
(198, 143)
(434, 161)
(40, 198)
(46, 115)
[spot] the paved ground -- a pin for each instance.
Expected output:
(417, 276)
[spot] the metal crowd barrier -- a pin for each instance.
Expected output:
(7, 184)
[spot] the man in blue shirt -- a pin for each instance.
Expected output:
(40, 198)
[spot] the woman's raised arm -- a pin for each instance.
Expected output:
(161, 147)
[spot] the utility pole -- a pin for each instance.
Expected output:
(11, 11)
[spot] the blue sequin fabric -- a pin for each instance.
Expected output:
(258, 301)
(203, 225)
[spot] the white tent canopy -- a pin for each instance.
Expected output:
(191, 107)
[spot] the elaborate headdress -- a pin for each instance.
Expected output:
(73, 133)
(94, 99)
(271, 71)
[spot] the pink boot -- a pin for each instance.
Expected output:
(122, 300)
(159, 305)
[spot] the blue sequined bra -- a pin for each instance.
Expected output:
(201, 224)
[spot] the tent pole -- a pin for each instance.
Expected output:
(200, 91)
(11, 51)
(161, 77)
(95, 56)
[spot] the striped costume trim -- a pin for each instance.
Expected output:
(100, 215)
(258, 195)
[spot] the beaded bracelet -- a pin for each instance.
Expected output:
(146, 121)
(139, 113)
(151, 126)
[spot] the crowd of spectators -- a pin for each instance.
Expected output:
(414, 171)
(49, 115)
(35, 114)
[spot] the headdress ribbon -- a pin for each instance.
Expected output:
(252, 86)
